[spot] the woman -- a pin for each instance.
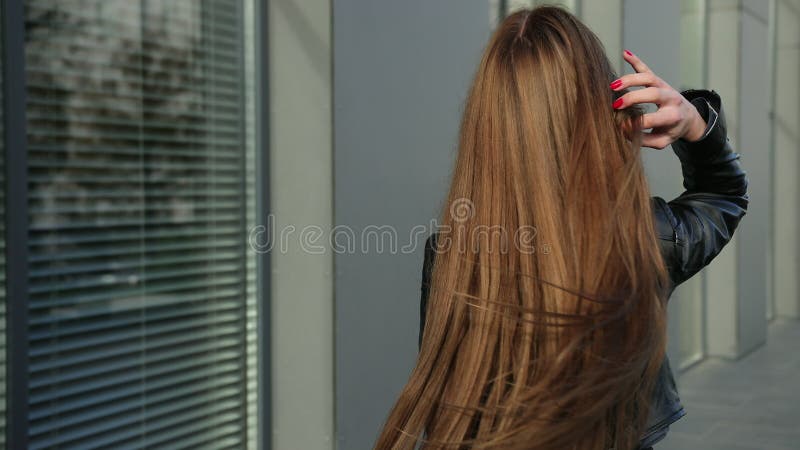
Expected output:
(543, 297)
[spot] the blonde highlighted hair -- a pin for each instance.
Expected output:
(526, 349)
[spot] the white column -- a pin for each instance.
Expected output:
(736, 283)
(514, 5)
(687, 310)
(301, 176)
(785, 126)
(605, 20)
(572, 5)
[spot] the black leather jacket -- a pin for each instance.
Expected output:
(692, 229)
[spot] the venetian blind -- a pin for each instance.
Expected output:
(141, 290)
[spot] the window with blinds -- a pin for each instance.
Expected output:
(142, 305)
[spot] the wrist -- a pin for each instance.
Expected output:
(701, 104)
(697, 125)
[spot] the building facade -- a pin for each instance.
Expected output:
(182, 180)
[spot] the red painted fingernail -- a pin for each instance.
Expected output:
(628, 52)
(617, 103)
(616, 83)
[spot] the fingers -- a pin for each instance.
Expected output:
(665, 124)
(663, 118)
(637, 64)
(666, 121)
(646, 95)
(656, 140)
(636, 79)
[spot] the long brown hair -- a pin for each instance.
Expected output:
(552, 344)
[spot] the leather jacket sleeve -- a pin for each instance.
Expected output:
(694, 227)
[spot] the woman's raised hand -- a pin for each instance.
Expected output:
(675, 117)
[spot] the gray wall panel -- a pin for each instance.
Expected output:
(400, 76)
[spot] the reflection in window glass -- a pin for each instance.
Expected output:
(142, 291)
